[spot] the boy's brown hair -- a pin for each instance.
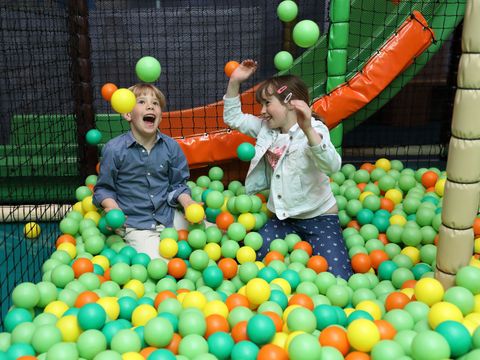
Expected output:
(142, 89)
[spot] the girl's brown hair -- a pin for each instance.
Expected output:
(142, 89)
(281, 87)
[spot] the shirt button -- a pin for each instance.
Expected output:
(151, 195)
(291, 137)
(153, 214)
(279, 196)
(143, 150)
(284, 214)
(148, 174)
(277, 176)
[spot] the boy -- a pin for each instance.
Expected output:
(144, 173)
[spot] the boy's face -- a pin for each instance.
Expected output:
(146, 115)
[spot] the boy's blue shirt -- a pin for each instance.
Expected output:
(145, 185)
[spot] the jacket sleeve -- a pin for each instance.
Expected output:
(325, 156)
(233, 116)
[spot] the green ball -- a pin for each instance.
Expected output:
(247, 271)
(93, 137)
(115, 218)
(62, 275)
(254, 240)
(229, 249)
(126, 340)
(197, 239)
(215, 173)
(279, 245)
(214, 199)
(304, 347)
(90, 343)
(158, 332)
(245, 151)
(287, 10)
(44, 337)
(148, 69)
(120, 273)
(377, 174)
(199, 260)
(82, 192)
(430, 345)
(191, 321)
(243, 203)
(236, 231)
(462, 298)
(361, 176)
(193, 346)
(26, 295)
(47, 293)
(469, 278)
(387, 349)
(283, 60)
(347, 170)
(338, 177)
(63, 351)
(157, 269)
(306, 33)
(69, 226)
(406, 182)
(301, 319)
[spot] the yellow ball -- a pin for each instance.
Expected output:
(87, 204)
(260, 265)
(384, 164)
(363, 195)
(475, 317)
(348, 311)
(477, 303)
(213, 250)
(247, 220)
(443, 311)
(292, 336)
(284, 284)
(110, 305)
(123, 100)
(78, 207)
(440, 187)
(370, 307)
(56, 308)
(363, 334)
(395, 195)
(224, 206)
(32, 230)
(168, 248)
(408, 291)
(69, 328)
(194, 213)
(132, 356)
(412, 252)
(287, 311)
(428, 290)
(257, 291)
(280, 339)
(69, 248)
(477, 245)
(101, 261)
(143, 314)
(181, 297)
(194, 299)
(93, 215)
(215, 307)
(246, 254)
(243, 290)
(136, 286)
(397, 220)
(470, 325)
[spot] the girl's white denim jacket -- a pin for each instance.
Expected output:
(299, 183)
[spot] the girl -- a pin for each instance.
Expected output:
(293, 154)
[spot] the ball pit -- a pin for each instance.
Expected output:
(100, 299)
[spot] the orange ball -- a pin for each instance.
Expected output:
(65, 238)
(272, 352)
(377, 257)
(336, 337)
(86, 297)
(476, 227)
(147, 351)
(277, 320)
(409, 284)
(27, 357)
(429, 178)
(107, 90)
(97, 168)
(368, 166)
(230, 67)
(361, 186)
(304, 245)
(224, 220)
(174, 344)
(216, 323)
(162, 295)
(317, 263)
(239, 331)
(387, 204)
(357, 355)
(229, 267)
(361, 263)
(273, 255)
(235, 300)
(396, 300)
(182, 234)
(353, 224)
(302, 300)
(386, 330)
(82, 266)
(177, 268)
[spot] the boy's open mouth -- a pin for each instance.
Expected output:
(149, 118)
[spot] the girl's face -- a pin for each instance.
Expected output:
(276, 113)
(146, 115)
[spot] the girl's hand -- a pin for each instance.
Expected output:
(246, 69)
(304, 114)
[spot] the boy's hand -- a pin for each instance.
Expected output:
(246, 69)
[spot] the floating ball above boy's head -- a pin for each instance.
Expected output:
(230, 67)
(148, 69)
(93, 137)
(283, 60)
(306, 33)
(245, 151)
(287, 10)
(123, 101)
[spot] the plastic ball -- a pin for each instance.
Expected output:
(260, 329)
(457, 336)
(107, 91)
(287, 10)
(245, 151)
(123, 101)
(91, 316)
(430, 345)
(306, 33)
(115, 218)
(429, 291)
(230, 67)
(168, 248)
(283, 60)
(304, 347)
(443, 311)
(257, 291)
(194, 213)
(31, 230)
(363, 334)
(148, 69)
(93, 137)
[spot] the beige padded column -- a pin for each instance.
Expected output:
(461, 198)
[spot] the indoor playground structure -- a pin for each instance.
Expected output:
(396, 82)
